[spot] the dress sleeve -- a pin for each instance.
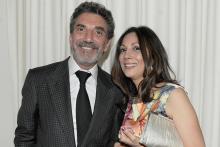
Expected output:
(166, 94)
(160, 98)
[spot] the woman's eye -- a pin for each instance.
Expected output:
(122, 50)
(137, 48)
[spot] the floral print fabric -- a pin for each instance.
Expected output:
(137, 112)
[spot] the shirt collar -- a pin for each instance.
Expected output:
(74, 67)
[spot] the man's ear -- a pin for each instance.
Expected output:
(70, 38)
(108, 46)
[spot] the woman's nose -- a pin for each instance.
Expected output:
(127, 54)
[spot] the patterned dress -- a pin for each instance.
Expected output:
(137, 112)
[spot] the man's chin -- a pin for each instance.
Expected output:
(86, 62)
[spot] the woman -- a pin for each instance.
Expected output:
(142, 71)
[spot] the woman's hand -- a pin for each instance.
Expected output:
(127, 136)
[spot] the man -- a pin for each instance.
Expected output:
(49, 115)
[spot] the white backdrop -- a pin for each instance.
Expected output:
(35, 33)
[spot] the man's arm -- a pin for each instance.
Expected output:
(25, 133)
(119, 115)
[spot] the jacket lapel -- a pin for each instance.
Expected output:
(60, 97)
(101, 103)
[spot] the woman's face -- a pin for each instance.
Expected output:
(131, 59)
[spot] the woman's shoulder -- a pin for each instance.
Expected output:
(168, 84)
(164, 89)
(177, 102)
(162, 93)
(176, 89)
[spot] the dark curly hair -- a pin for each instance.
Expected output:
(96, 8)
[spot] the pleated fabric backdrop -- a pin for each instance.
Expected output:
(38, 32)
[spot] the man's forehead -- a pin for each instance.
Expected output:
(91, 19)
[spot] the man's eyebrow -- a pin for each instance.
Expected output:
(97, 27)
(80, 25)
(100, 28)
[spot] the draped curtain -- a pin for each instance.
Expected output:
(37, 33)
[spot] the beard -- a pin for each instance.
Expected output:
(86, 57)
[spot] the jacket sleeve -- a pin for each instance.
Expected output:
(27, 119)
(119, 116)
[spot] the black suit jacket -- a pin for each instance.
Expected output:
(45, 116)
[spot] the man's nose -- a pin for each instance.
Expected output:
(89, 36)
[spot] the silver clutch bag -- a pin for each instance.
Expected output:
(160, 131)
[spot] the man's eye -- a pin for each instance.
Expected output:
(80, 29)
(99, 33)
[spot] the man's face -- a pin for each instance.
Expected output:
(89, 39)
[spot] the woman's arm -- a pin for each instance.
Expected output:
(181, 110)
